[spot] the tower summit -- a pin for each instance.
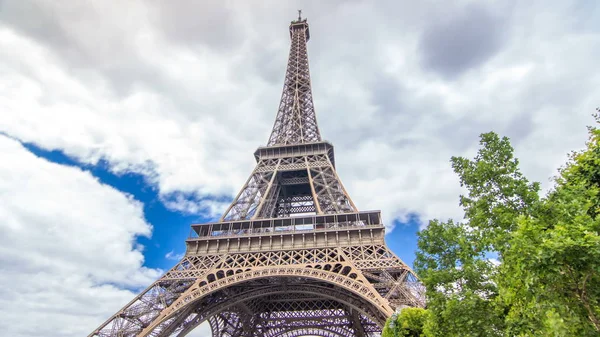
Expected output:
(291, 256)
(296, 122)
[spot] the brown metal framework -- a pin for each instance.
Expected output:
(292, 255)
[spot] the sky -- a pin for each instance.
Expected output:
(123, 122)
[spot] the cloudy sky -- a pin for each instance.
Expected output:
(122, 122)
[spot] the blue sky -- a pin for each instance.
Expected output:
(171, 227)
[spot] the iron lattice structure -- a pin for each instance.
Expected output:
(291, 256)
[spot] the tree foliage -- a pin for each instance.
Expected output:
(551, 274)
(453, 259)
(409, 322)
(517, 265)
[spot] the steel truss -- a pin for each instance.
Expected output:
(296, 121)
(290, 185)
(291, 256)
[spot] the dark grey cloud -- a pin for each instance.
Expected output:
(463, 41)
(519, 127)
(269, 63)
(386, 94)
(55, 27)
(36, 21)
(59, 27)
(206, 23)
(463, 132)
(385, 118)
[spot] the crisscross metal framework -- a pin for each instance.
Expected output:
(291, 256)
(296, 121)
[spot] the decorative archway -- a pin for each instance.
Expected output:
(323, 294)
(210, 297)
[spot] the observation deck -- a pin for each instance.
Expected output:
(328, 230)
(295, 150)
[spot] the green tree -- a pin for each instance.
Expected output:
(546, 280)
(551, 273)
(409, 322)
(453, 259)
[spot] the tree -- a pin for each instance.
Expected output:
(409, 322)
(453, 259)
(551, 273)
(546, 280)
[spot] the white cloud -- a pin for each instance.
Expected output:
(188, 203)
(186, 99)
(66, 249)
(174, 256)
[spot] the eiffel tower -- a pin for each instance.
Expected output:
(292, 255)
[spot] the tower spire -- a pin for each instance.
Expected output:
(296, 121)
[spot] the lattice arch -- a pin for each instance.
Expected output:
(197, 292)
(323, 294)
